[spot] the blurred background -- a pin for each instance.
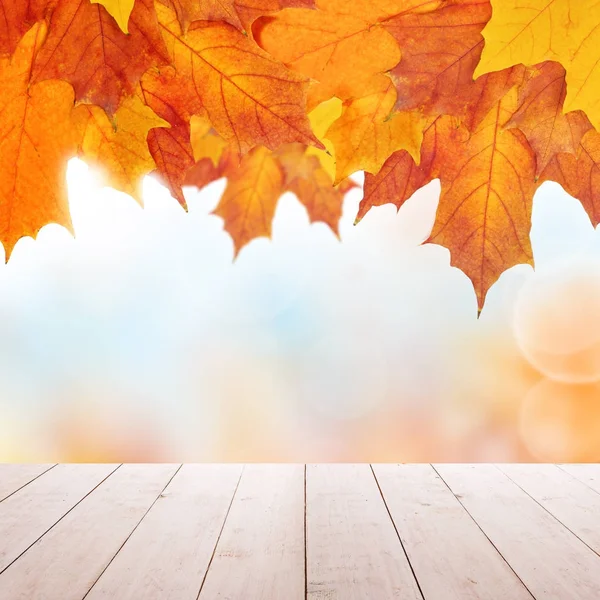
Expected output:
(141, 339)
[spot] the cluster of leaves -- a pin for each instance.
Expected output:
(491, 98)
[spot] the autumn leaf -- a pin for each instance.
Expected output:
(540, 115)
(173, 99)
(249, 201)
(579, 173)
(368, 131)
(321, 118)
(400, 177)
(118, 146)
(484, 214)
(440, 50)
(206, 143)
(342, 45)
(119, 9)
(37, 138)
(86, 47)
(533, 31)
(249, 98)
(239, 13)
(17, 16)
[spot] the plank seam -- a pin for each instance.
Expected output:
(132, 532)
(59, 520)
(212, 556)
(397, 532)
(577, 479)
(305, 543)
(547, 510)
(30, 481)
(484, 533)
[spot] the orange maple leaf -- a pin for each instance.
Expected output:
(37, 137)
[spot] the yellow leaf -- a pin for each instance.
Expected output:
(37, 138)
(368, 132)
(119, 9)
(533, 31)
(206, 143)
(119, 146)
(249, 201)
(321, 118)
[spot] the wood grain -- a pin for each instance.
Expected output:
(14, 477)
(29, 513)
(546, 556)
(260, 554)
(166, 557)
(352, 549)
(588, 474)
(451, 557)
(64, 563)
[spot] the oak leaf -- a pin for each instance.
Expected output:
(118, 145)
(248, 203)
(368, 131)
(86, 47)
(37, 138)
(249, 98)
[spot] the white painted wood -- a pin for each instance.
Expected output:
(29, 513)
(14, 477)
(260, 554)
(66, 561)
(572, 502)
(451, 557)
(353, 551)
(547, 557)
(586, 473)
(166, 557)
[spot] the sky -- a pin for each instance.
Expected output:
(142, 339)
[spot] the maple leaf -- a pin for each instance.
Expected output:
(206, 143)
(248, 203)
(37, 138)
(341, 45)
(249, 98)
(540, 115)
(440, 50)
(239, 13)
(533, 31)
(173, 99)
(86, 47)
(368, 132)
(579, 173)
(484, 214)
(16, 17)
(400, 177)
(119, 9)
(118, 145)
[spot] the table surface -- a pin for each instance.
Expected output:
(290, 532)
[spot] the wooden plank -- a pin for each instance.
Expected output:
(64, 564)
(167, 555)
(586, 473)
(32, 511)
(352, 549)
(451, 557)
(572, 502)
(260, 554)
(546, 556)
(14, 477)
